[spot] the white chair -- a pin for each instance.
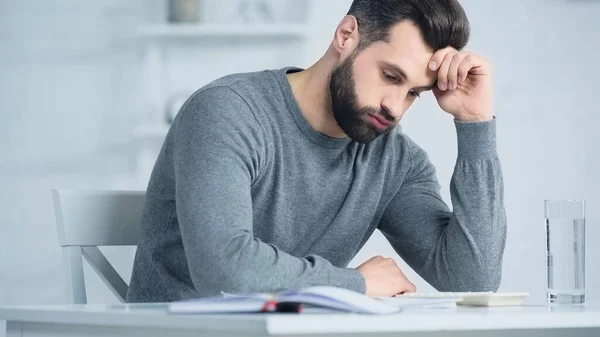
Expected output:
(88, 219)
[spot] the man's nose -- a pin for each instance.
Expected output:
(392, 111)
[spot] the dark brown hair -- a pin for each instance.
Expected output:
(443, 23)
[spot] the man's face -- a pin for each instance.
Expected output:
(371, 90)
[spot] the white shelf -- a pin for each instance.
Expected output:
(223, 30)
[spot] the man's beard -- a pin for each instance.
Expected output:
(344, 102)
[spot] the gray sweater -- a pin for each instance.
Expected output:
(246, 196)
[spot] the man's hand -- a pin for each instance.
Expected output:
(384, 278)
(464, 87)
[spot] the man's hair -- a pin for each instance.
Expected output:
(442, 23)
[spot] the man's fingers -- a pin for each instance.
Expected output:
(407, 287)
(453, 77)
(465, 66)
(404, 285)
(438, 57)
(443, 72)
(391, 261)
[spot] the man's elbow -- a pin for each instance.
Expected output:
(222, 278)
(483, 279)
(486, 271)
(476, 279)
(485, 283)
(231, 269)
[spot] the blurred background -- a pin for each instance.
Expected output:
(88, 88)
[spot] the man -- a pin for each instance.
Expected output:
(276, 179)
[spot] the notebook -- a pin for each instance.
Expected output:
(323, 297)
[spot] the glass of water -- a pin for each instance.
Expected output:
(565, 251)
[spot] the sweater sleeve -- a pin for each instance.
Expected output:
(219, 152)
(459, 250)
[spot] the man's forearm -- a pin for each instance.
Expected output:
(458, 250)
(244, 264)
(476, 234)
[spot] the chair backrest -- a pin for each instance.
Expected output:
(88, 219)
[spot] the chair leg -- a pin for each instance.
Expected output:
(105, 271)
(74, 280)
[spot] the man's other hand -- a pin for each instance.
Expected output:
(384, 278)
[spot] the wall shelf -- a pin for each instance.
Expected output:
(162, 31)
(154, 37)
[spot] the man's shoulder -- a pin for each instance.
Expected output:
(236, 94)
(244, 85)
(239, 81)
(226, 95)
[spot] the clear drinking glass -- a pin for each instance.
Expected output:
(565, 251)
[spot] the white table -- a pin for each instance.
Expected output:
(152, 320)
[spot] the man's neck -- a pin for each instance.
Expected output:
(311, 90)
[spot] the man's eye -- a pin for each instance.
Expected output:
(389, 77)
(414, 93)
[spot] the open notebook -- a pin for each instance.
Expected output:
(324, 297)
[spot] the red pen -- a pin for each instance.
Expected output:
(270, 306)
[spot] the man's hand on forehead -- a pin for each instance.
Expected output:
(464, 84)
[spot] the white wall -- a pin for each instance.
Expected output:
(70, 93)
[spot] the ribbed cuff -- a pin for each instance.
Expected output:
(476, 139)
(355, 280)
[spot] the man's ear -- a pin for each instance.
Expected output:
(346, 37)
